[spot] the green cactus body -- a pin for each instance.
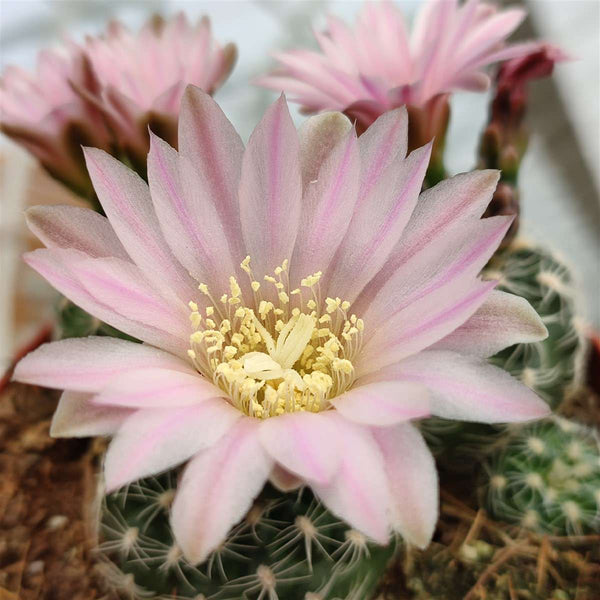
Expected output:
(288, 547)
(547, 478)
(551, 367)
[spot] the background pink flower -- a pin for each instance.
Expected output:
(375, 65)
(304, 373)
(141, 77)
(107, 91)
(43, 113)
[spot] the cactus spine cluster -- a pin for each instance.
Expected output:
(288, 547)
(547, 478)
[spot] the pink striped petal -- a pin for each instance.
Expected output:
(334, 53)
(326, 204)
(122, 285)
(383, 403)
(436, 56)
(423, 323)
(460, 251)
(343, 37)
(468, 388)
(394, 52)
(303, 443)
(413, 482)
(359, 493)
(153, 440)
(318, 136)
(466, 17)
(188, 215)
(157, 388)
(369, 43)
(310, 66)
(88, 364)
(75, 227)
(501, 321)
(377, 225)
(428, 25)
(126, 200)
(76, 416)
(384, 142)
(51, 265)
(209, 142)
(299, 91)
(489, 34)
(470, 192)
(217, 489)
(271, 190)
(434, 215)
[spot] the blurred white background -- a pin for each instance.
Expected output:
(560, 175)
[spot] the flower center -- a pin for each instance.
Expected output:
(290, 354)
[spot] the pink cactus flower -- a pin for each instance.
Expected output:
(119, 82)
(43, 113)
(141, 77)
(375, 66)
(299, 303)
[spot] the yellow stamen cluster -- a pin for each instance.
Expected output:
(291, 352)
